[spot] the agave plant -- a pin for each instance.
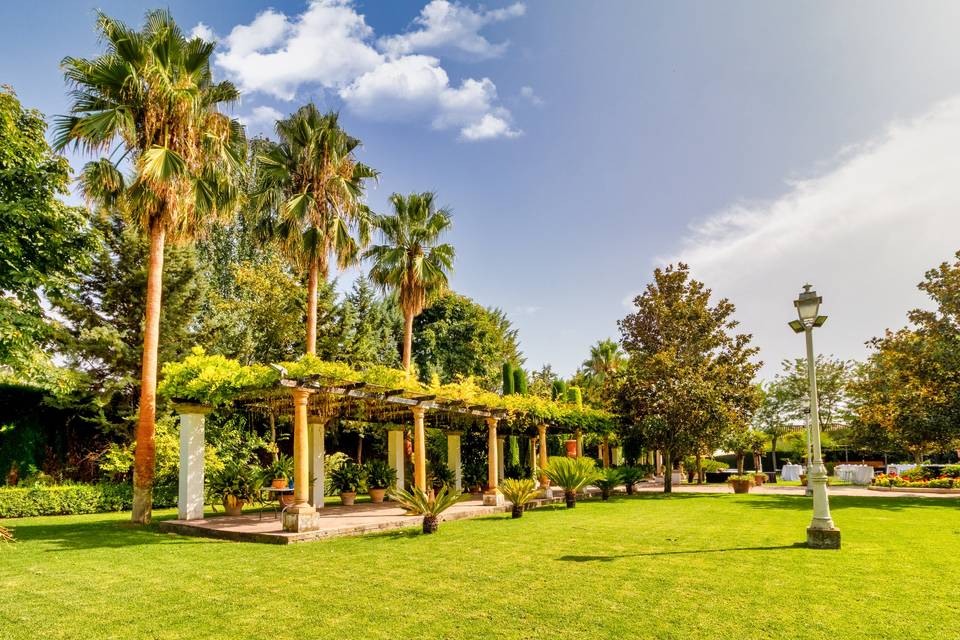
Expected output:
(418, 503)
(572, 474)
(630, 476)
(519, 492)
(607, 480)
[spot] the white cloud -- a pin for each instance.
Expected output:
(528, 94)
(489, 127)
(450, 26)
(325, 45)
(863, 234)
(203, 32)
(261, 119)
(330, 45)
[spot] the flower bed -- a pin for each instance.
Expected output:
(922, 478)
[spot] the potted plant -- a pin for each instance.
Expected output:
(234, 486)
(759, 477)
(380, 477)
(607, 480)
(347, 480)
(440, 475)
(741, 483)
(280, 471)
(418, 503)
(519, 493)
(474, 475)
(572, 474)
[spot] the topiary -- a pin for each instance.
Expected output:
(507, 379)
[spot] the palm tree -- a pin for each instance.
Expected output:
(309, 191)
(151, 94)
(411, 261)
(604, 361)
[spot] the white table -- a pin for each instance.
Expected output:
(900, 468)
(855, 473)
(790, 472)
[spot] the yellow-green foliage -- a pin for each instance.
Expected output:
(216, 381)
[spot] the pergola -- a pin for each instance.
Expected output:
(315, 400)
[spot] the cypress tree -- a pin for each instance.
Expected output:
(508, 388)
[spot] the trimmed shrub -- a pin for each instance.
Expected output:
(71, 499)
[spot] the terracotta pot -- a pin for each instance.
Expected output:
(741, 486)
(571, 448)
(759, 479)
(280, 483)
(376, 495)
(232, 506)
(347, 498)
(803, 479)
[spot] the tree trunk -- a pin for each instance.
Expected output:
(407, 339)
(313, 278)
(145, 454)
(273, 435)
(667, 471)
(740, 464)
(699, 468)
(773, 451)
(606, 451)
(360, 450)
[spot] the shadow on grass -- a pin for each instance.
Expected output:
(841, 502)
(611, 558)
(95, 534)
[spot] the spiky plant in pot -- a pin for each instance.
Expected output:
(418, 503)
(607, 480)
(519, 492)
(573, 474)
(630, 476)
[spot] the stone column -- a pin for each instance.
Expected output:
(190, 487)
(658, 463)
(453, 458)
(579, 436)
(318, 431)
(419, 449)
(606, 450)
(543, 459)
(615, 455)
(492, 495)
(301, 516)
(500, 463)
(395, 455)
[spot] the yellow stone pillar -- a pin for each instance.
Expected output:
(492, 495)
(579, 436)
(543, 454)
(301, 516)
(606, 450)
(419, 449)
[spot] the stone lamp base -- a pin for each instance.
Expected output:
(823, 538)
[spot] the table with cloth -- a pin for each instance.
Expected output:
(899, 468)
(790, 472)
(855, 473)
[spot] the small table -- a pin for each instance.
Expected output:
(279, 495)
(855, 473)
(790, 472)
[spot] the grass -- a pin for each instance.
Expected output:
(649, 566)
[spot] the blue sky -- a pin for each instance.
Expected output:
(581, 144)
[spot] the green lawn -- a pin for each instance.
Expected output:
(686, 566)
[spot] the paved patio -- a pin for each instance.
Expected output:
(335, 521)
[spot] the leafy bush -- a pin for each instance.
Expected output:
(380, 475)
(630, 476)
(440, 475)
(237, 481)
(917, 473)
(474, 474)
(607, 480)
(331, 463)
(72, 499)
(951, 471)
(348, 478)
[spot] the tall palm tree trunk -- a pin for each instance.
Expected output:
(312, 283)
(144, 456)
(407, 339)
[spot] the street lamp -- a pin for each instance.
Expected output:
(821, 534)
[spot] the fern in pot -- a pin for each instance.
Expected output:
(234, 486)
(280, 471)
(380, 477)
(347, 479)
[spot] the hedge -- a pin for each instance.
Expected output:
(52, 500)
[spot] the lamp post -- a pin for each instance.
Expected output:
(821, 534)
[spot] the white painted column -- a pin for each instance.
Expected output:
(500, 442)
(615, 455)
(318, 430)
(395, 455)
(453, 458)
(190, 487)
